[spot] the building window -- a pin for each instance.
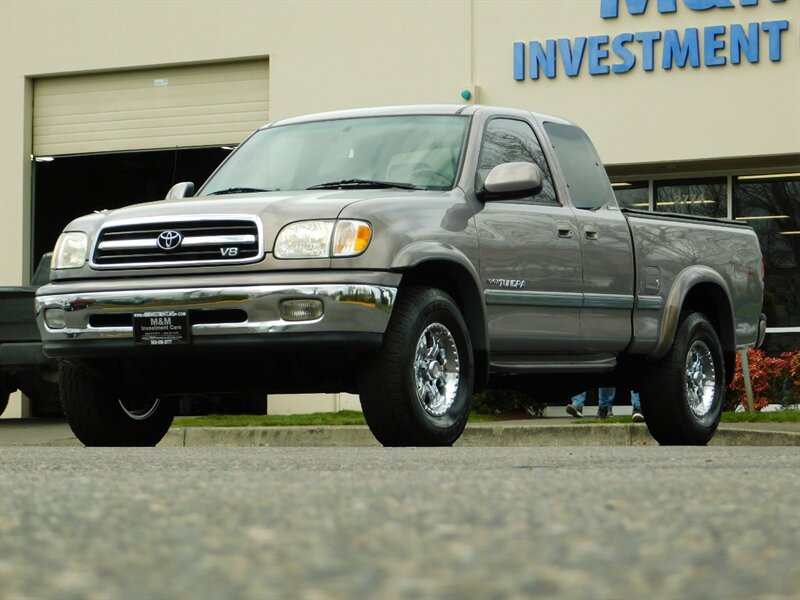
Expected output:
(701, 197)
(634, 194)
(771, 204)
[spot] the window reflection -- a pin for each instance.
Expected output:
(701, 197)
(509, 140)
(632, 194)
(772, 207)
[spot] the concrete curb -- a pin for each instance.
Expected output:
(537, 432)
(617, 434)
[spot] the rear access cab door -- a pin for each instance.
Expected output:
(606, 244)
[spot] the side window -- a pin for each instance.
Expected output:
(510, 140)
(586, 177)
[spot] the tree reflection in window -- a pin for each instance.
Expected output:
(701, 197)
(632, 195)
(509, 140)
(772, 207)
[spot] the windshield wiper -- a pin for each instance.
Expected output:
(239, 190)
(365, 183)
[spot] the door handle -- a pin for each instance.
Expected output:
(590, 233)
(564, 230)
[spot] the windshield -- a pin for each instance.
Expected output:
(412, 152)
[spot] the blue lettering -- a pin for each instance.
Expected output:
(754, 2)
(774, 28)
(597, 53)
(609, 9)
(679, 53)
(746, 43)
(706, 4)
(648, 40)
(712, 45)
(519, 61)
(720, 44)
(572, 58)
(538, 56)
(628, 57)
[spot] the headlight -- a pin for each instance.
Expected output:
(323, 239)
(306, 239)
(70, 251)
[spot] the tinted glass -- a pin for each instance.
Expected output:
(702, 197)
(632, 195)
(773, 209)
(510, 140)
(416, 150)
(586, 177)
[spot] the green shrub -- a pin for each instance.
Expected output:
(496, 402)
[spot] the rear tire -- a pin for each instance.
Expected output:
(683, 393)
(99, 417)
(417, 391)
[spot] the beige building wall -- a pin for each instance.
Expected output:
(335, 54)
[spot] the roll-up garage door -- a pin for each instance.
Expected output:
(166, 107)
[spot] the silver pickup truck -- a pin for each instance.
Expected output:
(412, 255)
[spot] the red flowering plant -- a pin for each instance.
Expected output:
(775, 380)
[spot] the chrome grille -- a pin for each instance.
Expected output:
(179, 242)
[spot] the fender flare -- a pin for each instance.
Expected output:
(684, 283)
(417, 254)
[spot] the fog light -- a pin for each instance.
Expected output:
(55, 318)
(301, 310)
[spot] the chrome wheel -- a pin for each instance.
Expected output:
(139, 410)
(700, 381)
(436, 369)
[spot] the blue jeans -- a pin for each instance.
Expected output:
(605, 399)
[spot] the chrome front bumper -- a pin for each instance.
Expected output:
(217, 311)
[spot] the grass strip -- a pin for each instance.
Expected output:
(352, 417)
(345, 417)
(778, 416)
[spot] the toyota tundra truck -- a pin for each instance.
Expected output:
(411, 255)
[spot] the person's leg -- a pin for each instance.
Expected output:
(575, 408)
(637, 415)
(606, 397)
(604, 403)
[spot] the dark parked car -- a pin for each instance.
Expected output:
(23, 365)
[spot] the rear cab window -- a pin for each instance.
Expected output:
(587, 182)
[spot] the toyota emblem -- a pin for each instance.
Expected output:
(169, 240)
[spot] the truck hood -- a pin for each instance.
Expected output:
(274, 208)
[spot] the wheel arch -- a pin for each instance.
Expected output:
(699, 289)
(445, 267)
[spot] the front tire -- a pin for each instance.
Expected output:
(417, 391)
(100, 417)
(683, 394)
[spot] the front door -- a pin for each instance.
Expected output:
(530, 252)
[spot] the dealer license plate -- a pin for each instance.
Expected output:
(161, 327)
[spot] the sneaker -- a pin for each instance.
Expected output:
(604, 412)
(637, 415)
(575, 411)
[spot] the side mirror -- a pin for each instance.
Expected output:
(184, 189)
(513, 179)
